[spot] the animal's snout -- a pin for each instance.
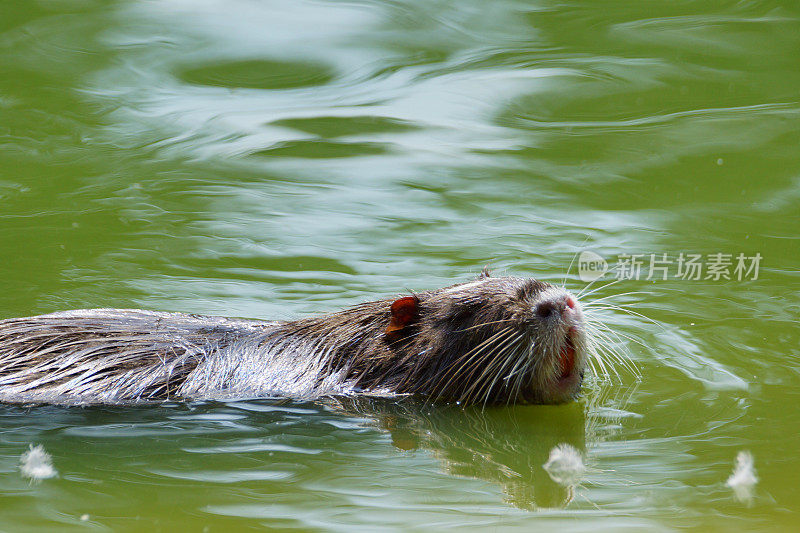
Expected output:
(555, 305)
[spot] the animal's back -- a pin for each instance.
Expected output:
(108, 355)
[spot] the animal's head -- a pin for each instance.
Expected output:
(492, 340)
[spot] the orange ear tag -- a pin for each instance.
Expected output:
(404, 312)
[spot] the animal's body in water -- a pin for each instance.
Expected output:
(491, 340)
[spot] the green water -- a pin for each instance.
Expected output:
(280, 159)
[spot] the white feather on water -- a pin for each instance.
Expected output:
(37, 464)
(565, 465)
(743, 479)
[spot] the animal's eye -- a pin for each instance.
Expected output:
(529, 289)
(463, 310)
(460, 310)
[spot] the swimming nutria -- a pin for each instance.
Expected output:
(491, 340)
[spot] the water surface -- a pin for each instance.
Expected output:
(280, 159)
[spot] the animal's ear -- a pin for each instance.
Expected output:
(403, 313)
(485, 273)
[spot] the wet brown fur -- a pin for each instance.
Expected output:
(476, 342)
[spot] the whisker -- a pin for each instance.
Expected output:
(600, 330)
(617, 295)
(471, 358)
(583, 293)
(614, 354)
(615, 307)
(494, 358)
(485, 324)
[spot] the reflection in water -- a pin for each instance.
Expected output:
(506, 446)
